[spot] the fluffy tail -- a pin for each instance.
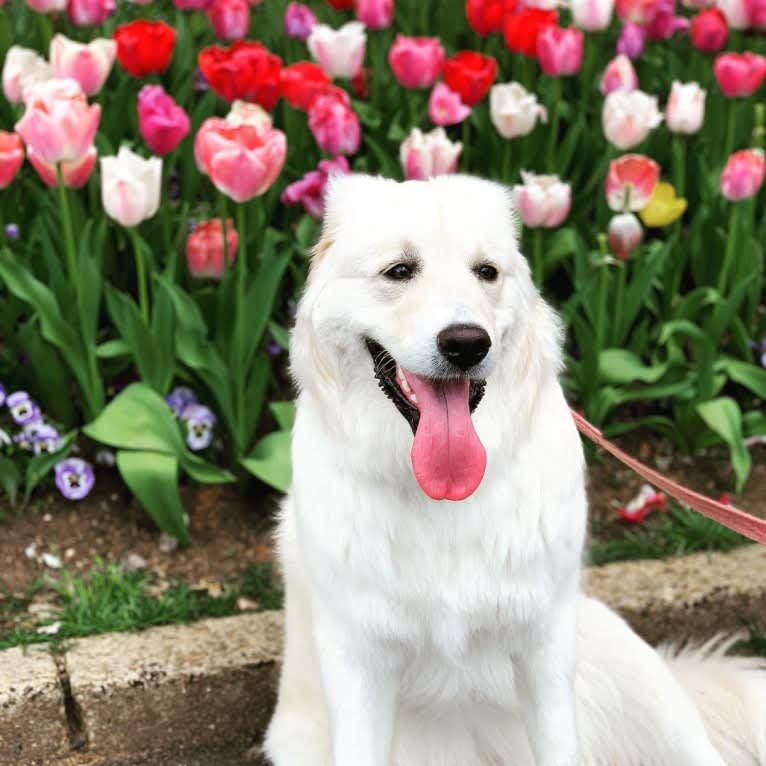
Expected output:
(730, 692)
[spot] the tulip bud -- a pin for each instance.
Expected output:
(624, 235)
(205, 249)
(299, 21)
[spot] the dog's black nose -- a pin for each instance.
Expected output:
(464, 344)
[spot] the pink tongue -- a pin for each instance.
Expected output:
(447, 457)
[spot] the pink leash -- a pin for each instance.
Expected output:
(730, 517)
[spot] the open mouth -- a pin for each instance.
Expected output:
(448, 458)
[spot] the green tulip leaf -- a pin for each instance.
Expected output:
(617, 365)
(724, 417)
(270, 460)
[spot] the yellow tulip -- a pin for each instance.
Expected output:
(663, 207)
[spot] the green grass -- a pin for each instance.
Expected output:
(111, 599)
(676, 533)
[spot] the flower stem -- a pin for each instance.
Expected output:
(66, 221)
(241, 266)
(622, 275)
(602, 294)
(679, 164)
(537, 258)
(555, 119)
(222, 211)
(731, 244)
(138, 253)
(731, 129)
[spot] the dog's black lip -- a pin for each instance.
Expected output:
(384, 367)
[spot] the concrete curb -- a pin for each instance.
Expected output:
(200, 694)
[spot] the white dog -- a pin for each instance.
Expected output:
(434, 614)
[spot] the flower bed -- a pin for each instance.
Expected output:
(644, 227)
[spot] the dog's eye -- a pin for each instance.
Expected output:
(400, 272)
(486, 273)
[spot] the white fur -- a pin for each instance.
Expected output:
(427, 633)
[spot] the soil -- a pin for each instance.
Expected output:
(230, 530)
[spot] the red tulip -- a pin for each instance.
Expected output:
(739, 74)
(631, 182)
(11, 157)
(710, 30)
(246, 70)
(302, 82)
(230, 19)
(341, 5)
(743, 175)
(470, 75)
(145, 47)
(205, 250)
(521, 29)
(560, 51)
(487, 16)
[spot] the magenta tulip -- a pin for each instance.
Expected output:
(743, 174)
(162, 122)
(299, 21)
(334, 124)
(90, 13)
(230, 19)
(416, 61)
(739, 74)
(375, 14)
(560, 51)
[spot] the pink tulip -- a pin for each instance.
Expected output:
(624, 235)
(739, 74)
(334, 124)
(47, 6)
(560, 51)
(542, 201)
(230, 19)
(592, 15)
(743, 175)
(664, 23)
(162, 122)
(416, 61)
(736, 12)
(375, 14)
(11, 157)
(628, 116)
(299, 21)
(90, 13)
(445, 106)
(74, 174)
(425, 155)
(242, 161)
(309, 190)
(619, 74)
(630, 182)
(685, 111)
(205, 250)
(636, 11)
(192, 5)
(756, 13)
(58, 124)
(632, 40)
(88, 64)
(23, 67)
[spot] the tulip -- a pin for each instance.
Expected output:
(205, 248)
(163, 124)
(130, 186)
(303, 82)
(592, 15)
(542, 201)
(58, 124)
(90, 13)
(618, 75)
(341, 5)
(242, 161)
(560, 51)
(145, 47)
(334, 124)
(664, 22)
(230, 19)
(624, 235)
(470, 75)
(245, 70)
(709, 30)
(339, 52)
(664, 207)
(736, 13)
(425, 155)
(697, 5)
(74, 175)
(521, 30)
(756, 13)
(445, 106)
(743, 174)
(88, 64)
(47, 6)
(416, 61)
(486, 16)
(375, 14)
(685, 111)
(299, 21)
(309, 190)
(514, 111)
(23, 67)
(192, 5)
(636, 11)
(739, 74)
(628, 116)
(632, 40)
(631, 182)
(245, 113)
(11, 157)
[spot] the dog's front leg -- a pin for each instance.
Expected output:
(546, 674)
(360, 680)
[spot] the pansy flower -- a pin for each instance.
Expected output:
(179, 399)
(74, 478)
(46, 441)
(23, 409)
(200, 422)
(25, 439)
(2, 394)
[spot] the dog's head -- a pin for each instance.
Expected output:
(418, 293)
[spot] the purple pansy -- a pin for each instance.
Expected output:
(759, 349)
(2, 394)
(23, 409)
(200, 422)
(74, 478)
(179, 399)
(12, 231)
(25, 439)
(46, 441)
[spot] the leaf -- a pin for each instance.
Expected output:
(9, 478)
(112, 349)
(280, 334)
(284, 414)
(39, 466)
(90, 280)
(618, 365)
(153, 478)
(270, 460)
(202, 471)
(746, 374)
(723, 416)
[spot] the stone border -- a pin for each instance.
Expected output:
(123, 699)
